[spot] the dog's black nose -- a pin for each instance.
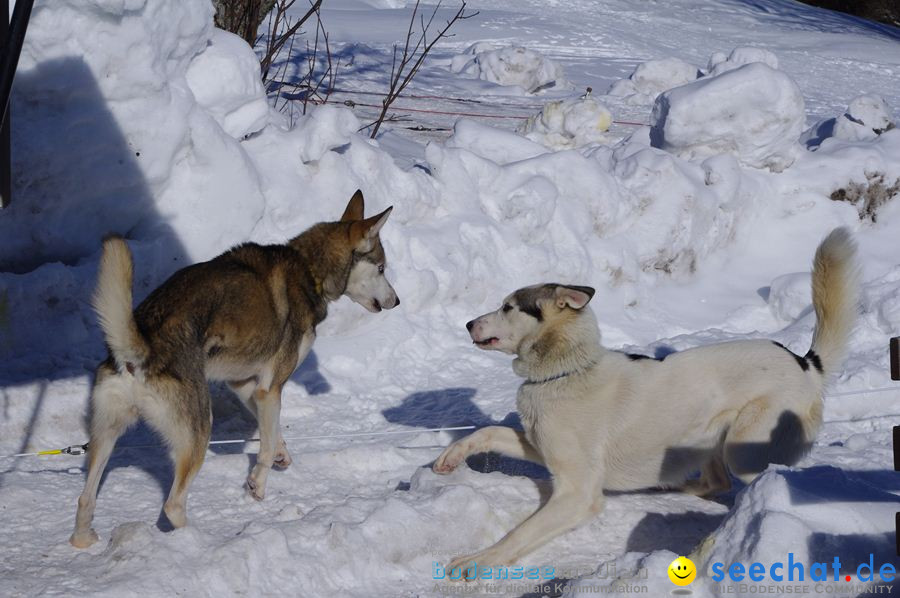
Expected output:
(398, 302)
(469, 325)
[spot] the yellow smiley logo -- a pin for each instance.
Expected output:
(682, 571)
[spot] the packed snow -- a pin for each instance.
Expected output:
(753, 112)
(720, 63)
(653, 77)
(513, 66)
(140, 118)
(567, 124)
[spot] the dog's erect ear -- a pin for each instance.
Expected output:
(575, 297)
(363, 232)
(355, 209)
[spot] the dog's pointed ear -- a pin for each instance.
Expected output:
(355, 209)
(575, 297)
(363, 232)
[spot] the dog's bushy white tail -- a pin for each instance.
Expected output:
(835, 288)
(112, 301)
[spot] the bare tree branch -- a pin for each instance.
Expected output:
(277, 40)
(403, 73)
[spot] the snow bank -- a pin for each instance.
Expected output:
(567, 124)
(500, 146)
(653, 77)
(719, 63)
(752, 112)
(814, 514)
(225, 80)
(627, 212)
(511, 65)
(790, 296)
(867, 117)
(862, 177)
(105, 85)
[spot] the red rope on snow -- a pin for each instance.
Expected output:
(353, 104)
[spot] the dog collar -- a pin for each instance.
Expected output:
(562, 375)
(550, 379)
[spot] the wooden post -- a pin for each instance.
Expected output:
(895, 375)
(13, 30)
(5, 155)
(895, 358)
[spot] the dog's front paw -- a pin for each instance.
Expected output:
(282, 457)
(450, 459)
(256, 484)
(83, 539)
(465, 568)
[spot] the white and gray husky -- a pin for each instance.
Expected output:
(600, 419)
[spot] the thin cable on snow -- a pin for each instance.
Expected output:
(80, 449)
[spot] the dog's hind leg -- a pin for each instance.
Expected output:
(765, 432)
(714, 479)
(181, 414)
(112, 412)
(498, 439)
(188, 459)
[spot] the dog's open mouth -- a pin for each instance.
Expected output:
(487, 342)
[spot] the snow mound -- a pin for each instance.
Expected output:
(867, 117)
(719, 63)
(652, 78)
(790, 296)
(862, 177)
(324, 129)
(813, 514)
(820, 504)
(226, 82)
(622, 213)
(753, 112)
(567, 124)
(499, 145)
(105, 85)
(511, 66)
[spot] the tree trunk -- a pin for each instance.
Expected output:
(242, 17)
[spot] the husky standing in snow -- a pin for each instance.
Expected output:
(247, 317)
(599, 419)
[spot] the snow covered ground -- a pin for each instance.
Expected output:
(137, 117)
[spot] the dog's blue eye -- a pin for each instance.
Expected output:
(506, 307)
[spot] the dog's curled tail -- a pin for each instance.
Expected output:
(835, 289)
(112, 301)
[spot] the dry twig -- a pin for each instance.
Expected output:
(411, 58)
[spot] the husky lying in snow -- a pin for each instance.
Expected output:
(599, 419)
(247, 317)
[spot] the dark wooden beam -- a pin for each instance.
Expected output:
(895, 375)
(895, 358)
(5, 154)
(14, 37)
